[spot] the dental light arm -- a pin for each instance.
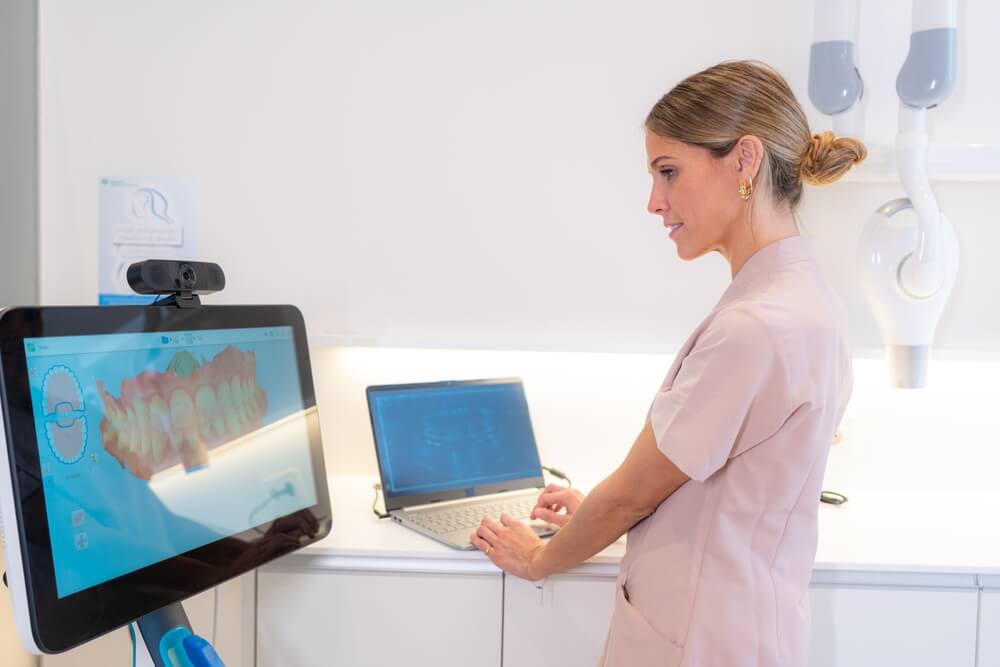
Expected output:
(835, 85)
(908, 253)
(925, 80)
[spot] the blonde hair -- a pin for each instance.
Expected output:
(714, 108)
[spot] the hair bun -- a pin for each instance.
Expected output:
(828, 157)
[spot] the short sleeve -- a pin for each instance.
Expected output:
(698, 418)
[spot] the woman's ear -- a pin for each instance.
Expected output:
(749, 154)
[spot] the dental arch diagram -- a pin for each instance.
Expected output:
(162, 419)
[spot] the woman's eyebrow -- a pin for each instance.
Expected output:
(652, 165)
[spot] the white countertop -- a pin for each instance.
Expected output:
(937, 539)
(360, 540)
(944, 531)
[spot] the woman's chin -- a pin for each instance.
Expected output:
(684, 252)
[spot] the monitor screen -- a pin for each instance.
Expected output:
(153, 452)
(442, 436)
(135, 435)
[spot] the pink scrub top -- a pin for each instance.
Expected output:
(718, 575)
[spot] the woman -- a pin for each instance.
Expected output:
(719, 493)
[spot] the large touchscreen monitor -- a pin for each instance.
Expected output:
(150, 453)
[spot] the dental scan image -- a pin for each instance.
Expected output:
(153, 444)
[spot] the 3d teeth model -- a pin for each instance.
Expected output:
(177, 416)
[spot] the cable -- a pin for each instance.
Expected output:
(287, 490)
(131, 634)
(381, 515)
(558, 473)
(215, 614)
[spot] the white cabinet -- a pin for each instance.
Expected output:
(562, 621)
(871, 626)
(310, 618)
(565, 621)
(989, 627)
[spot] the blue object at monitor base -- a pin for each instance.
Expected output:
(170, 642)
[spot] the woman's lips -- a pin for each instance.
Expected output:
(674, 227)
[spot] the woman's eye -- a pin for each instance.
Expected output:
(668, 173)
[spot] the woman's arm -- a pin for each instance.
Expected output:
(644, 480)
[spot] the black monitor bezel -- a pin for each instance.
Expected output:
(394, 502)
(60, 624)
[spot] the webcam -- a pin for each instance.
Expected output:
(173, 277)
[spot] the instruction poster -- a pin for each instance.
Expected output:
(143, 218)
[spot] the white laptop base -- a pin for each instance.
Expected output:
(452, 522)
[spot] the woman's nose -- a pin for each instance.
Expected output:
(657, 203)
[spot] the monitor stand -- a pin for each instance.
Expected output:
(169, 642)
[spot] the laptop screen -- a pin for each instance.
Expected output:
(436, 437)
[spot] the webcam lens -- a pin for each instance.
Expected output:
(188, 276)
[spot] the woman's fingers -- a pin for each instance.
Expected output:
(553, 500)
(550, 498)
(555, 507)
(511, 545)
(568, 498)
(545, 514)
(484, 538)
(478, 542)
(550, 490)
(488, 530)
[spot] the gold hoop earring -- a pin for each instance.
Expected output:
(746, 189)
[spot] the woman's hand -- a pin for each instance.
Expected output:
(554, 499)
(511, 545)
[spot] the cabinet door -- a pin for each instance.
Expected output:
(875, 627)
(561, 622)
(317, 619)
(989, 629)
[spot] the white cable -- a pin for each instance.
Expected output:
(215, 614)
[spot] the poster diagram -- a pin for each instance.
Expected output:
(143, 218)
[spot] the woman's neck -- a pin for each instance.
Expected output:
(769, 225)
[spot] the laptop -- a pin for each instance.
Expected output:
(450, 453)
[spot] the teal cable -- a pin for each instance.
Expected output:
(131, 634)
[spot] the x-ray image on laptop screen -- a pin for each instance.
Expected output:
(439, 437)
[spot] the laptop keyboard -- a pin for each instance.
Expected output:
(457, 517)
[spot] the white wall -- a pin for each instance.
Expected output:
(459, 174)
(470, 175)
(18, 208)
(18, 152)
(587, 409)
